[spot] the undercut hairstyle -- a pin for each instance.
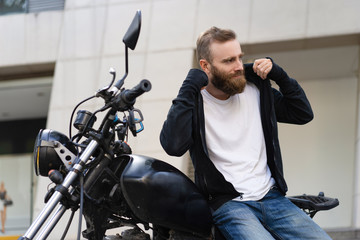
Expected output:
(211, 35)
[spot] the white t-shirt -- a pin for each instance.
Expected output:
(235, 141)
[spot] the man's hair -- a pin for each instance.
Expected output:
(211, 35)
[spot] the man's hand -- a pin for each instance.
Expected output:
(262, 67)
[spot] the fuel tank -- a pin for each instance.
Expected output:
(159, 193)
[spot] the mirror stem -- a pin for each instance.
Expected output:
(126, 60)
(120, 83)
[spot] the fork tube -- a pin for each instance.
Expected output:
(56, 197)
(52, 223)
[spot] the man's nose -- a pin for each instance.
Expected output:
(239, 65)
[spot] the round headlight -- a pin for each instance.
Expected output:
(45, 156)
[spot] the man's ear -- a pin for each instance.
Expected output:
(205, 66)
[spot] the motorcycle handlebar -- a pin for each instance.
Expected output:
(131, 94)
(127, 97)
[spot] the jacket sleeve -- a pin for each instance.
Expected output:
(290, 102)
(176, 134)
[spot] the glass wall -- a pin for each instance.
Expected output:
(16, 173)
(29, 6)
(12, 6)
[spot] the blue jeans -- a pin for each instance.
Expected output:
(273, 217)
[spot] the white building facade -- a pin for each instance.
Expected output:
(315, 41)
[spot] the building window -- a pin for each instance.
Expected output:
(45, 5)
(24, 101)
(30, 6)
(19, 136)
(12, 6)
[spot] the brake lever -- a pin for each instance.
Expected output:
(104, 92)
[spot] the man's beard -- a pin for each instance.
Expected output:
(229, 83)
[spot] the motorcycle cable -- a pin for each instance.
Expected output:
(68, 225)
(81, 133)
(119, 83)
(81, 204)
(106, 118)
(73, 112)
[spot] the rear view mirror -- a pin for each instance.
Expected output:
(132, 35)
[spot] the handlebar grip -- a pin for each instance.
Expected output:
(129, 96)
(132, 94)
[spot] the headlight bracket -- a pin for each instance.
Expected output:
(65, 155)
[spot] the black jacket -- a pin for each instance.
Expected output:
(184, 128)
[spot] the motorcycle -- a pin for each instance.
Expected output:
(96, 173)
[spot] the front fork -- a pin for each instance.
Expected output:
(57, 196)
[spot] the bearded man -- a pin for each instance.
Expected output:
(226, 115)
